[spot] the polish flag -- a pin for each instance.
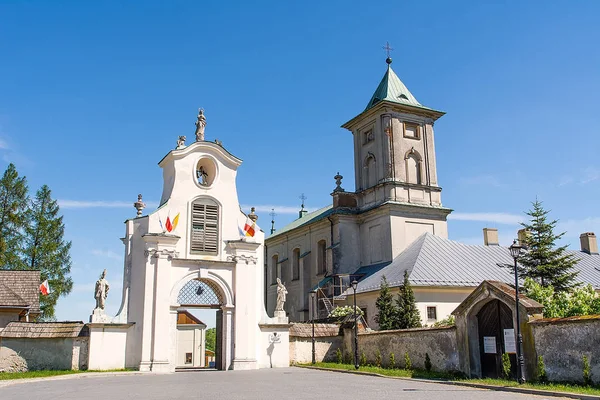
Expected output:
(45, 288)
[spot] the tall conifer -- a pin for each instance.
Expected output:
(46, 249)
(385, 306)
(408, 315)
(13, 206)
(543, 262)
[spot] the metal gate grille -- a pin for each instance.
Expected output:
(200, 293)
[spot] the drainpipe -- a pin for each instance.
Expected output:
(332, 260)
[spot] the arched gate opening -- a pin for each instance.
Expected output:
(200, 336)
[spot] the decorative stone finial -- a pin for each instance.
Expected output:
(139, 205)
(338, 181)
(200, 125)
(253, 215)
(180, 142)
(387, 48)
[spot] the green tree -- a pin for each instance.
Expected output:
(543, 262)
(211, 338)
(385, 305)
(46, 250)
(578, 301)
(13, 207)
(408, 315)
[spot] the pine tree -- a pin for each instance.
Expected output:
(46, 250)
(385, 305)
(543, 262)
(13, 206)
(408, 315)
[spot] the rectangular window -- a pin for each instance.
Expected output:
(296, 265)
(411, 130)
(188, 358)
(432, 313)
(321, 257)
(205, 228)
(274, 268)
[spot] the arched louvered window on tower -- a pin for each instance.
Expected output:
(205, 227)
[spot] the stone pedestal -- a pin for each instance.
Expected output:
(107, 345)
(280, 317)
(99, 316)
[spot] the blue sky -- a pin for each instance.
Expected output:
(94, 94)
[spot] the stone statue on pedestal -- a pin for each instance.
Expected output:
(180, 142)
(281, 294)
(101, 291)
(200, 125)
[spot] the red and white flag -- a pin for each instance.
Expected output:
(45, 288)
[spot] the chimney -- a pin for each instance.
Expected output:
(589, 243)
(490, 236)
(523, 235)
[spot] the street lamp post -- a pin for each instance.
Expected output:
(515, 251)
(313, 295)
(354, 285)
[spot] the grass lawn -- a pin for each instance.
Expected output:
(45, 373)
(554, 387)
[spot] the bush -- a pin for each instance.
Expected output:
(586, 371)
(392, 361)
(427, 362)
(506, 365)
(338, 356)
(378, 358)
(344, 310)
(542, 370)
(578, 301)
(445, 322)
(407, 362)
(347, 358)
(363, 358)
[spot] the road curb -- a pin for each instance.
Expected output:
(513, 389)
(82, 375)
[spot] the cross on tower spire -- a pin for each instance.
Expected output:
(272, 214)
(387, 48)
(302, 197)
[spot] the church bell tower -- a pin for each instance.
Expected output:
(394, 152)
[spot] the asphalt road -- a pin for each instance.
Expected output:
(275, 384)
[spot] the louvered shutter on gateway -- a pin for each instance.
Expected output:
(205, 228)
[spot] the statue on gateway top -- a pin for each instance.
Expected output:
(200, 125)
(101, 291)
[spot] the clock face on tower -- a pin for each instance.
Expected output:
(206, 171)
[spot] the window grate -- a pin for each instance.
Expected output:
(200, 293)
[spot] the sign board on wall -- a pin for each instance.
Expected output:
(489, 344)
(510, 345)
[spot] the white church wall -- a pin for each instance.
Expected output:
(445, 299)
(306, 239)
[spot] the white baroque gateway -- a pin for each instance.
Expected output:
(192, 253)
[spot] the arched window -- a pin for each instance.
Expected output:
(413, 169)
(321, 257)
(296, 264)
(274, 269)
(205, 227)
(370, 172)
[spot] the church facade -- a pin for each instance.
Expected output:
(397, 199)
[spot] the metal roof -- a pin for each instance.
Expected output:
(20, 289)
(305, 219)
(392, 89)
(434, 261)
